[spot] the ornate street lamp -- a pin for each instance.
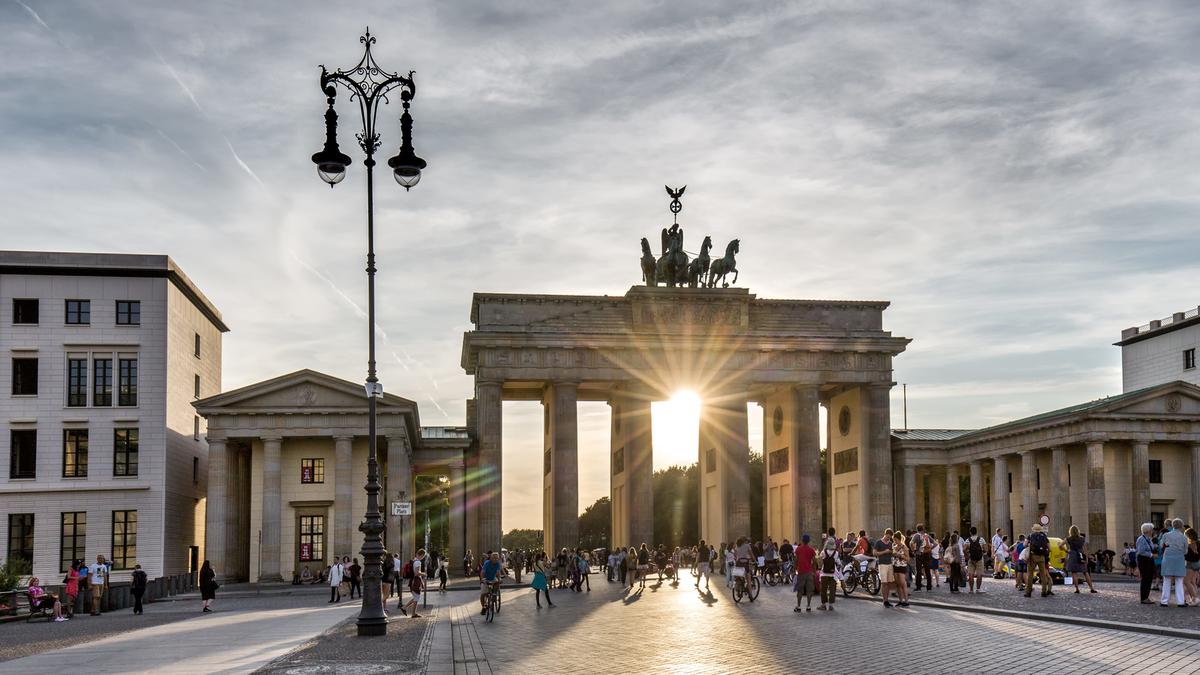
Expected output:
(369, 85)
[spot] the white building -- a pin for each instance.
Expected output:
(102, 356)
(1161, 351)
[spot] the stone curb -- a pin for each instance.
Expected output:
(1052, 618)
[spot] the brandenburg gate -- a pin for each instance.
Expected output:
(729, 346)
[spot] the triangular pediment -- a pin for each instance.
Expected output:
(1174, 398)
(303, 391)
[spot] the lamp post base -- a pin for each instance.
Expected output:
(372, 627)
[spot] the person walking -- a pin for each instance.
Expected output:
(1039, 556)
(806, 583)
(137, 587)
(355, 572)
(1174, 545)
(1020, 558)
(883, 557)
(1191, 580)
(923, 545)
(416, 583)
(900, 559)
(540, 584)
(977, 549)
(831, 570)
(208, 586)
(97, 583)
(72, 586)
(336, 572)
(1146, 549)
(702, 563)
(1077, 558)
(952, 557)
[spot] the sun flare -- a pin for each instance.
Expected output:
(676, 429)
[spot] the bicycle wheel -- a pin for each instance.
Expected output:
(872, 583)
(753, 589)
(770, 579)
(737, 592)
(497, 602)
(849, 584)
(491, 611)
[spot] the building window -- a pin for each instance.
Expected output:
(124, 539)
(1156, 471)
(25, 311)
(312, 470)
(125, 452)
(1189, 358)
(77, 383)
(777, 461)
(129, 312)
(24, 377)
(312, 538)
(102, 385)
(195, 427)
(22, 453)
(197, 345)
(75, 451)
(196, 387)
(1158, 518)
(127, 382)
(20, 541)
(73, 535)
(79, 312)
(845, 461)
(618, 461)
(710, 460)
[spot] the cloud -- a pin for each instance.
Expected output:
(1018, 179)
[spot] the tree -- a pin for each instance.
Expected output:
(756, 496)
(676, 514)
(522, 539)
(595, 524)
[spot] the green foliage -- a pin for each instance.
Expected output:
(595, 523)
(522, 539)
(11, 572)
(757, 482)
(676, 506)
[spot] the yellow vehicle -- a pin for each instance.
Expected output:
(1057, 562)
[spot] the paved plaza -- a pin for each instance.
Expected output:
(662, 628)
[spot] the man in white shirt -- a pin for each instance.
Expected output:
(97, 582)
(335, 581)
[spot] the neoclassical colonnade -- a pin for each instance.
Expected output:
(791, 356)
(1106, 467)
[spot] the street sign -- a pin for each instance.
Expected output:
(1044, 520)
(402, 508)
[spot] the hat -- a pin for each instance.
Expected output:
(806, 539)
(1037, 527)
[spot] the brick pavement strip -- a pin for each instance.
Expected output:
(677, 629)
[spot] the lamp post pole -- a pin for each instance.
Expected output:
(369, 85)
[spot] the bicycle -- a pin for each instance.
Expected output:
(772, 573)
(745, 584)
(863, 573)
(493, 601)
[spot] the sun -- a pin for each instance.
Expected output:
(676, 429)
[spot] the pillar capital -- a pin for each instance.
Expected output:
(345, 437)
(271, 438)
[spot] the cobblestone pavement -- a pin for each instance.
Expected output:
(19, 639)
(1113, 601)
(341, 650)
(666, 629)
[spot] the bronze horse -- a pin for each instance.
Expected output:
(723, 266)
(698, 268)
(649, 266)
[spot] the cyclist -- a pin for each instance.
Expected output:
(744, 557)
(489, 574)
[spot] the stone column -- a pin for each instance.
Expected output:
(233, 486)
(343, 495)
(876, 479)
(977, 495)
(216, 506)
(489, 408)
(458, 523)
(1195, 483)
(908, 509)
(1060, 498)
(560, 490)
(242, 564)
(1097, 531)
(953, 503)
(471, 484)
(639, 463)
(272, 509)
(1141, 483)
(1029, 488)
(401, 530)
(1000, 510)
(807, 496)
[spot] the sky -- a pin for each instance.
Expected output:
(1018, 179)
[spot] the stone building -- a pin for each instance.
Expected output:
(103, 355)
(288, 461)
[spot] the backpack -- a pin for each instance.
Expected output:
(408, 570)
(924, 543)
(1039, 544)
(975, 549)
